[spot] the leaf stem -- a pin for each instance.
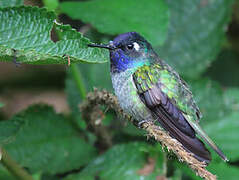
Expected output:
(79, 81)
(13, 167)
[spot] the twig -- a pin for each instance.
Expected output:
(105, 98)
(93, 118)
(13, 167)
(175, 146)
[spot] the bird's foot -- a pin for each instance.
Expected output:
(141, 123)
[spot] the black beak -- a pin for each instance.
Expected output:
(107, 46)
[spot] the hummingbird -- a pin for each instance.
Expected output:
(149, 90)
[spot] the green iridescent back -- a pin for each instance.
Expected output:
(170, 83)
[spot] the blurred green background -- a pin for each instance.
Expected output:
(40, 122)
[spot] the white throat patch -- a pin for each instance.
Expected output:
(136, 46)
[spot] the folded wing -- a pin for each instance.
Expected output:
(161, 92)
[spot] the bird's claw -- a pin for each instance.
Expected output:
(141, 124)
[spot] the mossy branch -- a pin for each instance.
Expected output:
(97, 98)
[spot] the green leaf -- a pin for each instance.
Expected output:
(209, 97)
(1, 105)
(225, 133)
(46, 142)
(121, 162)
(224, 171)
(9, 129)
(177, 175)
(8, 3)
(51, 4)
(4, 174)
(185, 170)
(120, 16)
(25, 34)
(196, 33)
(231, 99)
(49, 177)
(220, 115)
(225, 68)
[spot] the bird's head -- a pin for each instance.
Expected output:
(127, 51)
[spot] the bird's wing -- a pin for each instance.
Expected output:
(170, 101)
(158, 84)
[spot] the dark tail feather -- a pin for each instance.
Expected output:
(191, 144)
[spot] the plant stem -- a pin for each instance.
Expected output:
(78, 79)
(13, 167)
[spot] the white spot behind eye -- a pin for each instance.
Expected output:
(136, 46)
(111, 43)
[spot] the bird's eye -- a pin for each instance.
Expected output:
(130, 46)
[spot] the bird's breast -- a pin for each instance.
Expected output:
(128, 97)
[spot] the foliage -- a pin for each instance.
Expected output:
(42, 132)
(196, 33)
(124, 167)
(192, 36)
(123, 16)
(31, 43)
(11, 3)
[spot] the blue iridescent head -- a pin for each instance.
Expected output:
(127, 51)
